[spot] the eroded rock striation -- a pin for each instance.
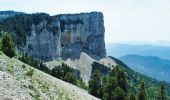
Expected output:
(79, 33)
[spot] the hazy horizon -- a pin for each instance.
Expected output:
(125, 20)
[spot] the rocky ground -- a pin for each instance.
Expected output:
(19, 81)
(83, 64)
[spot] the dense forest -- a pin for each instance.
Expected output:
(124, 84)
(19, 25)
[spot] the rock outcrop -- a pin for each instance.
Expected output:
(83, 64)
(79, 33)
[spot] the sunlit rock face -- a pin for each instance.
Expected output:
(79, 33)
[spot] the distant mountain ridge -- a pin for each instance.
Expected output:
(149, 65)
(118, 50)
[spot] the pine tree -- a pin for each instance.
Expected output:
(161, 93)
(118, 94)
(69, 78)
(95, 86)
(109, 87)
(142, 94)
(115, 71)
(7, 45)
(132, 96)
(122, 80)
(56, 72)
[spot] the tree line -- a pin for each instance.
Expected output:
(114, 87)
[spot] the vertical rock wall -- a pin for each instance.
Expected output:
(79, 33)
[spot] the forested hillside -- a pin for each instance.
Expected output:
(122, 83)
(155, 67)
(6, 14)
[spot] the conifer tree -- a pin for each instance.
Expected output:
(121, 78)
(7, 45)
(132, 96)
(161, 93)
(142, 94)
(95, 87)
(118, 94)
(109, 87)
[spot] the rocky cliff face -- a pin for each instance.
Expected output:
(79, 33)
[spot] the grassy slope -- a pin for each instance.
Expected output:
(37, 84)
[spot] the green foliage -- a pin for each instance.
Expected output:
(62, 72)
(10, 69)
(34, 93)
(161, 95)
(118, 94)
(120, 82)
(69, 78)
(95, 84)
(134, 79)
(20, 25)
(23, 66)
(81, 84)
(44, 68)
(7, 45)
(116, 79)
(0, 44)
(29, 60)
(68, 74)
(121, 79)
(116, 84)
(103, 70)
(109, 87)
(57, 72)
(132, 96)
(142, 94)
(30, 72)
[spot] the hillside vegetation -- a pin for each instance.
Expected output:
(149, 65)
(152, 86)
(21, 81)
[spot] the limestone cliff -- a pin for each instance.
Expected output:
(79, 33)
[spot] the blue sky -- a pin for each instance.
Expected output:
(125, 20)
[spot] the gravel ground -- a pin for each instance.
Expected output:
(19, 81)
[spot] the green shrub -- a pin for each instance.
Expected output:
(30, 72)
(23, 66)
(10, 69)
